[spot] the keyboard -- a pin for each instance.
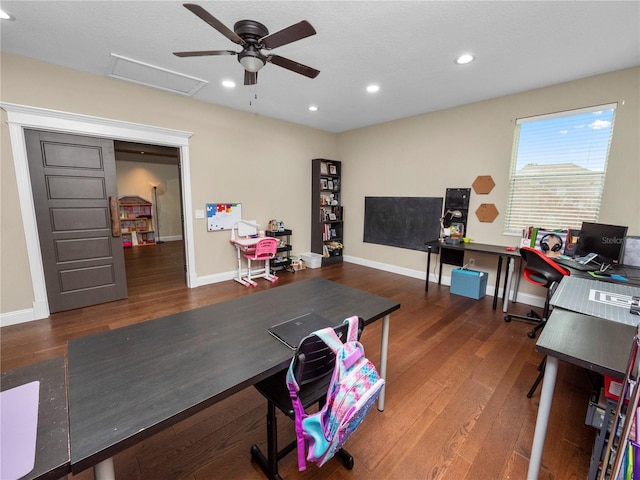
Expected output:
(571, 263)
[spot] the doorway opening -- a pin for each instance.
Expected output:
(21, 117)
(152, 173)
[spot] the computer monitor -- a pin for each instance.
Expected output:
(605, 240)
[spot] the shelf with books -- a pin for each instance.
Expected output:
(327, 212)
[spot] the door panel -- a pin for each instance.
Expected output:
(72, 178)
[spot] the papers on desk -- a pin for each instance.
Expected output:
(19, 430)
(606, 300)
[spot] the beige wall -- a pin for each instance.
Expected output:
(423, 155)
(265, 163)
(235, 157)
(138, 178)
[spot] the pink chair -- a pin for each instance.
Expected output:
(265, 250)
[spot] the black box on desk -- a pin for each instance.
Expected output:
(469, 283)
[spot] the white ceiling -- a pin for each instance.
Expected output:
(407, 48)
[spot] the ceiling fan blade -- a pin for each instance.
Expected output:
(290, 34)
(293, 66)
(215, 23)
(203, 53)
(250, 78)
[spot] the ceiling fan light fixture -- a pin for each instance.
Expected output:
(251, 59)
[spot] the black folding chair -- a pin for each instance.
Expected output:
(313, 368)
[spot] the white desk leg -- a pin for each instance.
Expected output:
(104, 470)
(239, 277)
(516, 283)
(383, 359)
(542, 421)
(505, 301)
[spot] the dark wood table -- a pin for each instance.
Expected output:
(52, 441)
(593, 343)
(125, 385)
(453, 254)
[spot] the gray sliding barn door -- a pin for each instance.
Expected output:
(73, 180)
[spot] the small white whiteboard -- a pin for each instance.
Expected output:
(222, 216)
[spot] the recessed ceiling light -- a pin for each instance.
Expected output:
(228, 83)
(313, 108)
(5, 16)
(373, 88)
(464, 59)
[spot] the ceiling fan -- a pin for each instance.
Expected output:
(254, 37)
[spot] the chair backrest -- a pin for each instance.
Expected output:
(314, 360)
(540, 269)
(265, 248)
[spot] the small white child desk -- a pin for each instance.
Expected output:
(247, 231)
(243, 245)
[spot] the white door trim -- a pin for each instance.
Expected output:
(22, 116)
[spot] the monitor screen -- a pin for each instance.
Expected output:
(605, 240)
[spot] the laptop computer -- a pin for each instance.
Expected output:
(292, 331)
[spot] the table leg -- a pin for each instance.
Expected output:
(104, 470)
(239, 276)
(497, 288)
(383, 358)
(426, 282)
(507, 284)
(542, 420)
(440, 271)
(516, 285)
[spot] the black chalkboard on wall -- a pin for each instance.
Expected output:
(405, 222)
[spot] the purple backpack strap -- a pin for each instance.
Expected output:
(328, 336)
(352, 333)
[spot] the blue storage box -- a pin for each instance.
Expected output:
(469, 283)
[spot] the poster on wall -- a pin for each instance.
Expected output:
(222, 216)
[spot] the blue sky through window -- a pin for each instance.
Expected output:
(580, 139)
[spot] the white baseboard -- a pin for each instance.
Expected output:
(171, 238)
(529, 299)
(28, 315)
(19, 316)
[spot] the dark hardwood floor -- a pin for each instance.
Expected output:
(456, 405)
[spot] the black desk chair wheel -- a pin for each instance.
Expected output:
(543, 271)
(313, 368)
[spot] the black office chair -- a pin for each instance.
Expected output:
(313, 368)
(543, 271)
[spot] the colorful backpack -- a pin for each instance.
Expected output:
(353, 390)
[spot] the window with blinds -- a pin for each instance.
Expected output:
(558, 168)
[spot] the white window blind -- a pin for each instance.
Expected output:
(558, 168)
